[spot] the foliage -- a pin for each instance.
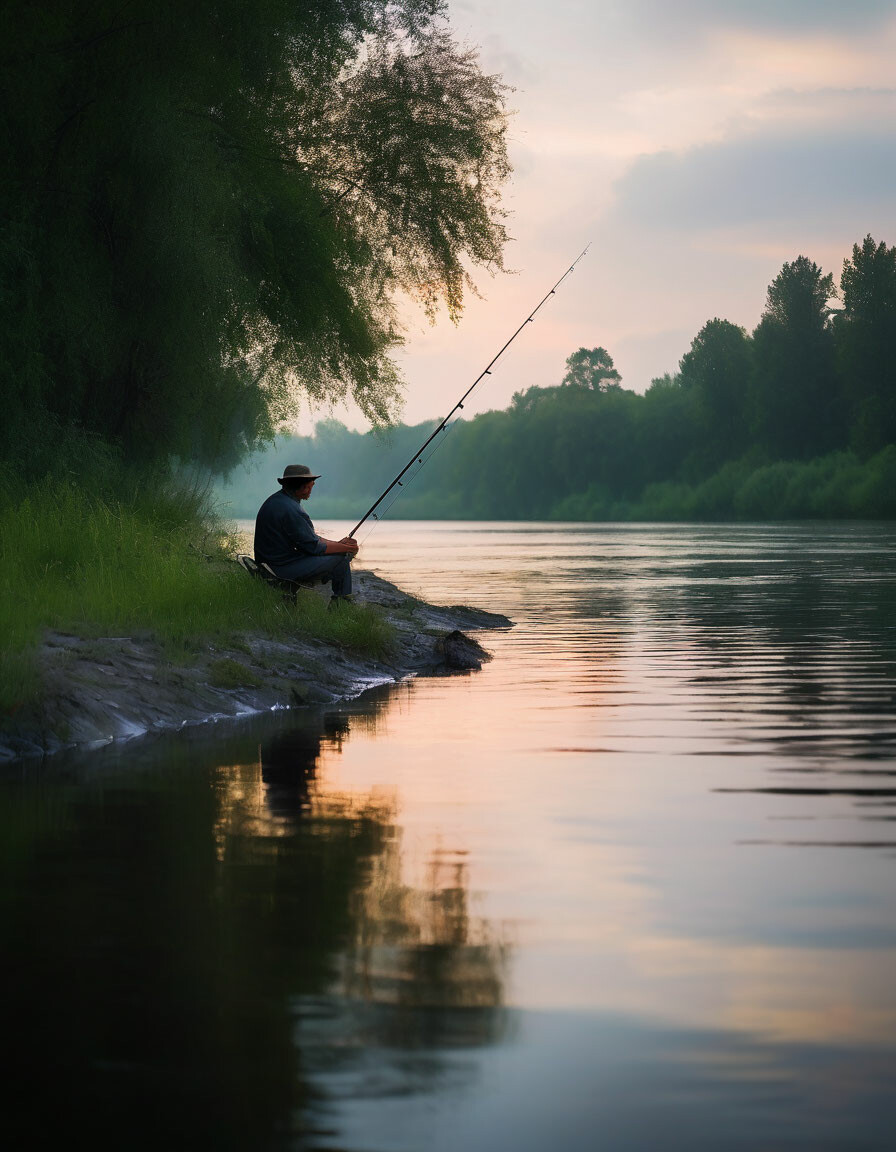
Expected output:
(752, 487)
(591, 368)
(865, 333)
(718, 368)
(796, 401)
(790, 422)
(209, 209)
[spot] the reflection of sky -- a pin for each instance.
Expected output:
(578, 772)
(611, 1083)
(699, 145)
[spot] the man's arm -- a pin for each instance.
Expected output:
(297, 529)
(346, 544)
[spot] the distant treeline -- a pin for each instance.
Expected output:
(797, 419)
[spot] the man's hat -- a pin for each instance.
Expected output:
(297, 472)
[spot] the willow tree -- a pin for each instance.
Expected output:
(213, 209)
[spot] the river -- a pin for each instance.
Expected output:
(633, 885)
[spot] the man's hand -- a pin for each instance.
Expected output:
(340, 547)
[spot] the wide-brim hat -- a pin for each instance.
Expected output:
(297, 472)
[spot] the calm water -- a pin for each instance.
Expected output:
(631, 886)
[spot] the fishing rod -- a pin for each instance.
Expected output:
(418, 455)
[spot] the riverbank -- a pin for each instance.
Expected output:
(99, 689)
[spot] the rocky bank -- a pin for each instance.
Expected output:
(122, 687)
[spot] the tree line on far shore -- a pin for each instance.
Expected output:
(796, 419)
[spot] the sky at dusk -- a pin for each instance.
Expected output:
(696, 144)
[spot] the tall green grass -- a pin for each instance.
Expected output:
(138, 556)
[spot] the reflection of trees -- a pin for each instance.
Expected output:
(158, 922)
(436, 971)
(264, 796)
(165, 916)
(412, 950)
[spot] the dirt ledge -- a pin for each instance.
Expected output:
(121, 687)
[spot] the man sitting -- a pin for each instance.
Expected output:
(285, 539)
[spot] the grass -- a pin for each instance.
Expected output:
(138, 556)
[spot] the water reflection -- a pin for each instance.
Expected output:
(289, 761)
(422, 954)
(303, 930)
(163, 920)
(420, 988)
(799, 644)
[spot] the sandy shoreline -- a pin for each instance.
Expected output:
(118, 688)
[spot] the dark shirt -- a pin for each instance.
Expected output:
(283, 531)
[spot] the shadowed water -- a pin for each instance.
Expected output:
(632, 885)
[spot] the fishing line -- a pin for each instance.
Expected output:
(422, 461)
(418, 457)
